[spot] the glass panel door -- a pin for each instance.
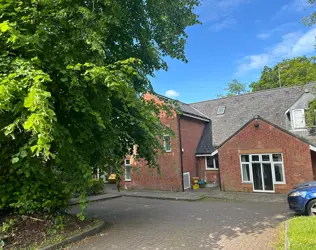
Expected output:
(257, 177)
(267, 177)
(262, 177)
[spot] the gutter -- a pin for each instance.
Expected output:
(181, 158)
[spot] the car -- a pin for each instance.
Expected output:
(302, 199)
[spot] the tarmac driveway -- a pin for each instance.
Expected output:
(139, 223)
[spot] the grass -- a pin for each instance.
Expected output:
(301, 233)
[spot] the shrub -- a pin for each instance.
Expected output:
(96, 187)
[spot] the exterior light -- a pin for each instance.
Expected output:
(256, 123)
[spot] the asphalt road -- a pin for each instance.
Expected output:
(139, 223)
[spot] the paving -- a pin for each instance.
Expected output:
(250, 197)
(93, 198)
(195, 195)
(139, 223)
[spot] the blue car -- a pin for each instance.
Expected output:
(302, 199)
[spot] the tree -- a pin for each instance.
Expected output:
(310, 113)
(311, 19)
(235, 88)
(289, 72)
(72, 76)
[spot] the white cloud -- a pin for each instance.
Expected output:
(218, 14)
(263, 36)
(225, 23)
(293, 6)
(305, 43)
(291, 45)
(172, 93)
(252, 62)
(296, 5)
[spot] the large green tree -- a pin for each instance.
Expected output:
(289, 72)
(72, 76)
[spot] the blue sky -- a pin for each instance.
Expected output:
(235, 41)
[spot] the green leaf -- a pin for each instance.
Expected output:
(64, 79)
(4, 26)
(23, 153)
(15, 160)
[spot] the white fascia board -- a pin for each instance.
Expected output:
(214, 153)
(312, 148)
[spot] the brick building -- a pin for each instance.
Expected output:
(178, 163)
(255, 142)
(261, 139)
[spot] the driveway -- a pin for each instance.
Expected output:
(139, 223)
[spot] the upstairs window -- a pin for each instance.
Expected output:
(221, 110)
(298, 119)
(167, 143)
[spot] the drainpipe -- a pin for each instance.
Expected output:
(219, 174)
(181, 158)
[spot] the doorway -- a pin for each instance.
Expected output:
(262, 177)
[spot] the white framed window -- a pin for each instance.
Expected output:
(167, 143)
(245, 168)
(211, 163)
(298, 119)
(278, 168)
(275, 160)
(128, 176)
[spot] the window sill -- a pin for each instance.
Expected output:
(299, 129)
(169, 151)
(212, 169)
(280, 183)
(246, 182)
(128, 180)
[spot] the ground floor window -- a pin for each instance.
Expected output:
(262, 170)
(128, 176)
(211, 163)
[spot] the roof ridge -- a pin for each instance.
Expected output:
(199, 111)
(256, 92)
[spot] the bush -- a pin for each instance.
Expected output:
(96, 187)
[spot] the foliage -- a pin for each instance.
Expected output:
(295, 71)
(235, 88)
(96, 186)
(7, 225)
(311, 19)
(72, 76)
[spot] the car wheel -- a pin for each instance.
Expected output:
(311, 208)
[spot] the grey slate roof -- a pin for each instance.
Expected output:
(185, 108)
(271, 105)
(205, 144)
(188, 109)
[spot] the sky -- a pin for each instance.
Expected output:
(236, 40)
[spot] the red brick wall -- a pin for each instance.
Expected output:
(170, 167)
(191, 132)
(264, 139)
(210, 176)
